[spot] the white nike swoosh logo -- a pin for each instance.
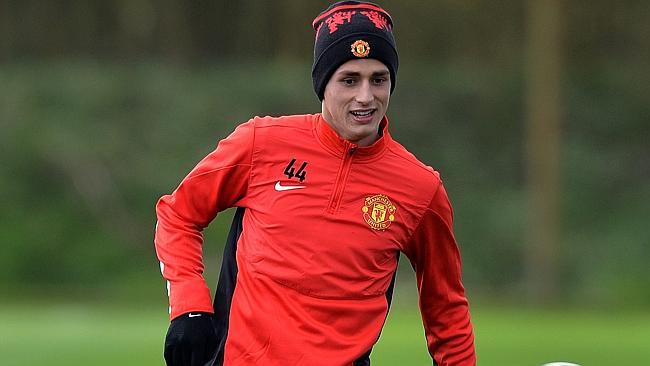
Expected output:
(279, 187)
(193, 315)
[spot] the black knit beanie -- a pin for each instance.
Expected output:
(349, 30)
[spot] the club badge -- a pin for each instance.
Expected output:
(378, 211)
(360, 48)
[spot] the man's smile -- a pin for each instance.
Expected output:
(363, 115)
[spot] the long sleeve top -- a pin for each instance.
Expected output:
(324, 223)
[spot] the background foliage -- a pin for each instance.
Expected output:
(106, 105)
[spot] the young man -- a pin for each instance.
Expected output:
(327, 202)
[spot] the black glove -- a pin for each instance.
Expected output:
(191, 340)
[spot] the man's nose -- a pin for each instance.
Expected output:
(364, 93)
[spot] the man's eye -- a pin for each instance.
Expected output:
(379, 81)
(348, 81)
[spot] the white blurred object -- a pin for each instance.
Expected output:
(560, 364)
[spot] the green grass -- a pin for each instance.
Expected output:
(31, 334)
(518, 337)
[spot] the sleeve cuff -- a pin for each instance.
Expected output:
(189, 296)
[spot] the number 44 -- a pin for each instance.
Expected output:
(291, 172)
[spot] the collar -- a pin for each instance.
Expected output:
(331, 140)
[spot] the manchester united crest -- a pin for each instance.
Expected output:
(360, 48)
(378, 211)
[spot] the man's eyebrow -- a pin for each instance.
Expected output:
(349, 73)
(356, 73)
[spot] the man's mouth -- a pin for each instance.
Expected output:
(363, 115)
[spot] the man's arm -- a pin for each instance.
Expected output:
(445, 312)
(218, 182)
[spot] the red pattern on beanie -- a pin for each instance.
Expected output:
(339, 18)
(377, 19)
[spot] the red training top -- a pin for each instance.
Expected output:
(324, 223)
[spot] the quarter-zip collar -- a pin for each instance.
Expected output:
(331, 140)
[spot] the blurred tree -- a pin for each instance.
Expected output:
(543, 100)
(7, 29)
(136, 25)
(290, 25)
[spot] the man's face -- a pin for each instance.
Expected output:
(356, 98)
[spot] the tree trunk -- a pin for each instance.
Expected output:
(544, 65)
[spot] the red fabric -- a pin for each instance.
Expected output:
(443, 305)
(313, 271)
(219, 181)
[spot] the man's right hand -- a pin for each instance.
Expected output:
(191, 340)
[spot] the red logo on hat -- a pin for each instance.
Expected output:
(339, 18)
(360, 48)
(377, 19)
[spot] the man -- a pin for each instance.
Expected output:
(327, 202)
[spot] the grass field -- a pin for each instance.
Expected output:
(83, 335)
